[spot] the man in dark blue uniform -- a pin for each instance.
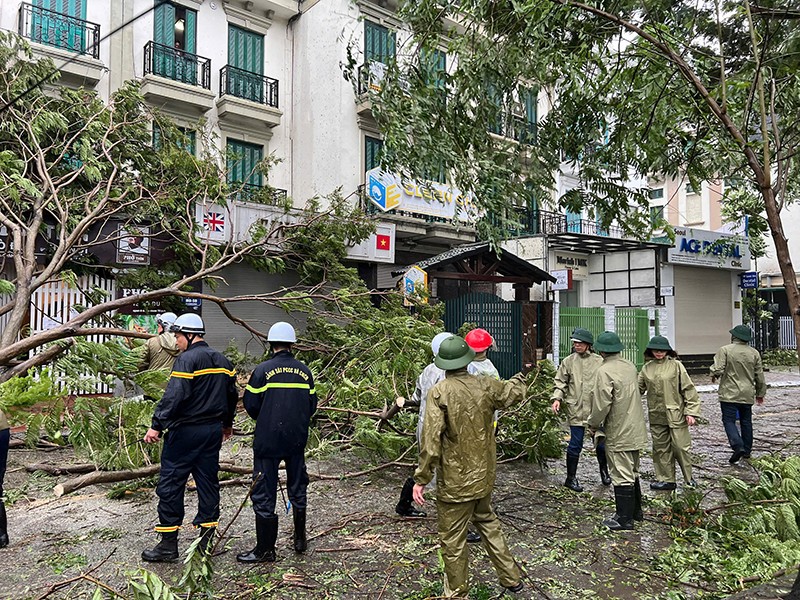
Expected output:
(280, 397)
(196, 415)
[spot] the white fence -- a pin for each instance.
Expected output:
(57, 302)
(786, 337)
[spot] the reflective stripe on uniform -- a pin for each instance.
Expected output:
(214, 371)
(272, 386)
(167, 528)
(209, 524)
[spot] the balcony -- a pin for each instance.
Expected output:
(517, 128)
(370, 76)
(177, 80)
(72, 43)
(258, 194)
(248, 99)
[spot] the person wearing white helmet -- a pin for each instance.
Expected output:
(280, 396)
(430, 376)
(195, 415)
(161, 349)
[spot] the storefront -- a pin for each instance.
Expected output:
(700, 289)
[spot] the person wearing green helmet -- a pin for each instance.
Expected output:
(673, 405)
(458, 442)
(573, 381)
(741, 381)
(617, 405)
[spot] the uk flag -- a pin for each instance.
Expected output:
(214, 222)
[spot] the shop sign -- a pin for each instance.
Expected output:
(666, 290)
(749, 280)
(133, 246)
(578, 264)
(563, 279)
(388, 191)
(700, 248)
(415, 283)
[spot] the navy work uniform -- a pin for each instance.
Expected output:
(199, 401)
(281, 398)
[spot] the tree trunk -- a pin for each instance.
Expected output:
(784, 260)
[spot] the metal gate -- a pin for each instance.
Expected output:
(570, 317)
(633, 329)
(502, 319)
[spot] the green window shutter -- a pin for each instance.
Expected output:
(379, 43)
(372, 152)
(530, 99)
(164, 25)
(190, 31)
(245, 50)
(242, 160)
(191, 142)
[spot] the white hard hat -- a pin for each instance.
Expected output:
(167, 319)
(437, 341)
(282, 332)
(189, 323)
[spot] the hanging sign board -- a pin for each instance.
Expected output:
(563, 279)
(415, 283)
(749, 280)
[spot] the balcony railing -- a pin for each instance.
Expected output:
(249, 86)
(59, 30)
(251, 192)
(370, 76)
(552, 223)
(176, 64)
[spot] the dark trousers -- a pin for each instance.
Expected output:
(576, 441)
(190, 449)
(744, 412)
(266, 488)
(5, 438)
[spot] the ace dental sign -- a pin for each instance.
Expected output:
(696, 247)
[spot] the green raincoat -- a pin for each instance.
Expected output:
(458, 434)
(573, 382)
(741, 374)
(671, 395)
(617, 404)
(3, 421)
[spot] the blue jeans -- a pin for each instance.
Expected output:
(576, 441)
(732, 411)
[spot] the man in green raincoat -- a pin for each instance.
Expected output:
(741, 382)
(458, 441)
(617, 404)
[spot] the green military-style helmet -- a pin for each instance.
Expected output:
(609, 342)
(658, 342)
(742, 332)
(454, 353)
(582, 335)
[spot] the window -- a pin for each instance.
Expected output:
(527, 129)
(372, 147)
(656, 215)
(379, 43)
(175, 36)
(656, 194)
(690, 189)
(242, 160)
(54, 23)
(188, 142)
(433, 64)
(246, 64)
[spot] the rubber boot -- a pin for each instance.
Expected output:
(473, 537)
(207, 539)
(404, 507)
(300, 542)
(638, 515)
(266, 534)
(572, 468)
(624, 495)
(165, 551)
(3, 526)
(602, 462)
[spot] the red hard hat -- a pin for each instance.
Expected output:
(479, 340)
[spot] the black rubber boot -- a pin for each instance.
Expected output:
(3, 526)
(266, 534)
(165, 551)
(638, 515)
(207, 539)
(624, 495)
(602, 462)
(572, 469)
(473, 537)
(300, 542)
(404, 507)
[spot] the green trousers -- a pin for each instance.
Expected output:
(671, 444)
(623, 466)
(453, 518)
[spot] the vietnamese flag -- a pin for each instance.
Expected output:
(383, 242)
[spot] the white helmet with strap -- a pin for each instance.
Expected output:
(166, 320)
(190, 323)
(282, 332)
